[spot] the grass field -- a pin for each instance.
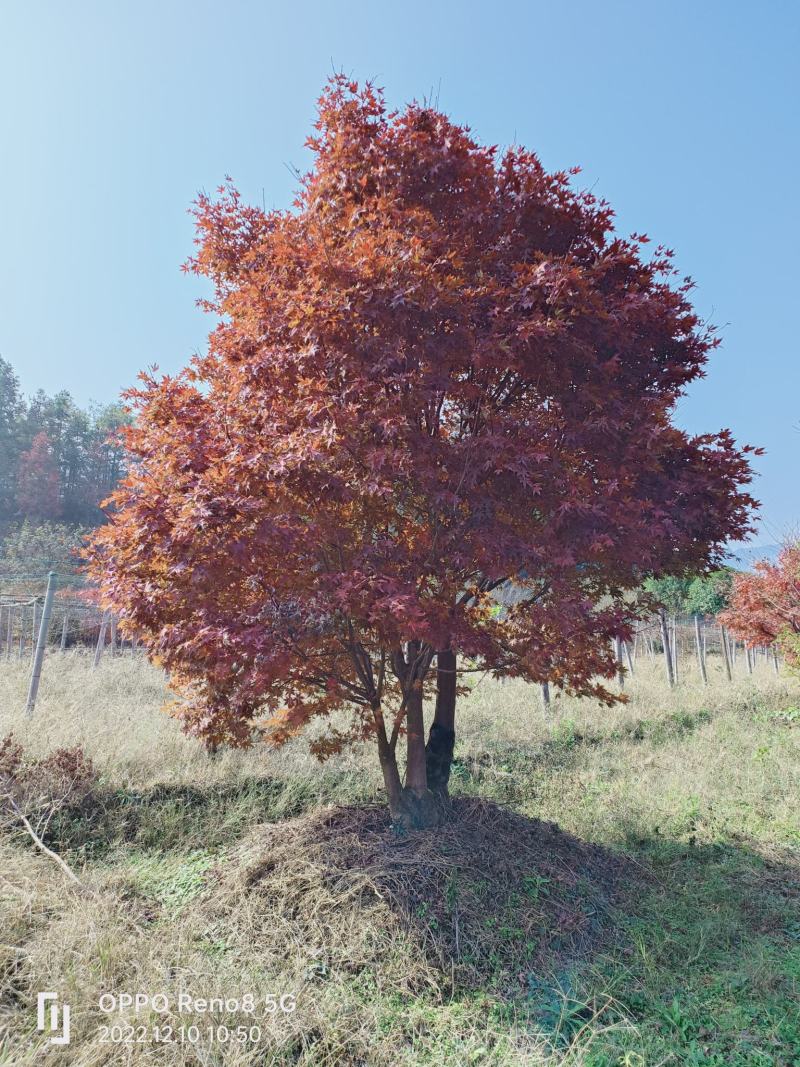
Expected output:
(658, 922)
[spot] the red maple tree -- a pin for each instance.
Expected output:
(38, 483)
(764, 606)
(441, 378)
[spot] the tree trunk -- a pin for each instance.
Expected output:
(442, 736)
(421, 808)
(391, 777)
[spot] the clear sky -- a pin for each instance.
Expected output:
(683, 115)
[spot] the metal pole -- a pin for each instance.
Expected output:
(38, 656)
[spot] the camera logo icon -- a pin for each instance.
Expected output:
(54, 1021)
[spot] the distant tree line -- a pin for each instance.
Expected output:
(58, 461)
(704, 594)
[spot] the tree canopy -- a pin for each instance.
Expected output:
(701, 594)
(765, 605)
(439, 374)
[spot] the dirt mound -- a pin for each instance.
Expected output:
(491, 898)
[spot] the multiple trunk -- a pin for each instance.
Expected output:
(422, 801)
(442, 736)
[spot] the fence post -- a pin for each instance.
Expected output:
(33, 630)
(10, 631)
(667, 650)
(725, 652)
(700, 657)
(101, 640)
(64, 628)
(630, 658)
(618, 658)
(775, 659)
(546, 695)
(38, 655)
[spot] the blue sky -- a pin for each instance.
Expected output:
(114, 115)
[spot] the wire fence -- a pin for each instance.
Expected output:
(687, 641)
(58, 611)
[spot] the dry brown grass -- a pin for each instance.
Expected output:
(185, 888)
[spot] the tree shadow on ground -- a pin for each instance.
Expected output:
(659, 940)
(181, 817)
(490, 897)
(685, 946)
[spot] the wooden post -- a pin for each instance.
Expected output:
(675, 649)
(101, 640)
(775, 659)
(748, 655)
(113, 645)
(546, 695)
(700, 657)
(725, 653)
(64, 628)
(33, 630)
(38, 655)
(667, 650)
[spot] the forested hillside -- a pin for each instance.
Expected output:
(58, 461)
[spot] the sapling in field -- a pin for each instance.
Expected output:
(764, 606)
(439, 379)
